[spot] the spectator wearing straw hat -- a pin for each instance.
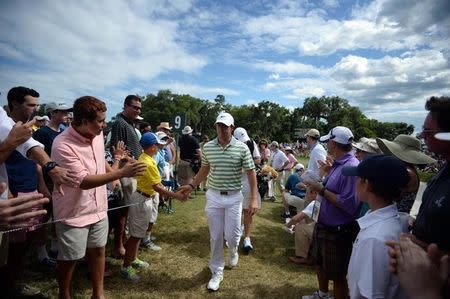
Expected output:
(408, 149)
(317, 151)
(365, 147)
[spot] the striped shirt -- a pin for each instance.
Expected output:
(226, 164)
(123, 130)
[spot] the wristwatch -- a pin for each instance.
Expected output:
(49, 166)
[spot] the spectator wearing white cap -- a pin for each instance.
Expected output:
(189, 154)
(223, 159)
(336, 227)
(241, 135)
(294, 191)
(278, 162)
(317, 151)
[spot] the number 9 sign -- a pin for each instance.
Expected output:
(179, 121)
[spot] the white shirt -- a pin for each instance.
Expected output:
(318, 153)
(278, 160)
(368, 270)
(6, 124)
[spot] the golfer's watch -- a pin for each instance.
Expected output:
(49, 167)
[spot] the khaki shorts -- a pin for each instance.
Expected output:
(129, 186)
(143, 212)
(73, 241)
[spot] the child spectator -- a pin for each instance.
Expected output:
(143, 200)
(380, 180)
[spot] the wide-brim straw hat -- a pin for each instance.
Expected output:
(368, 145)
(405, 147)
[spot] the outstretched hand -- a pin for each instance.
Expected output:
(15, 212)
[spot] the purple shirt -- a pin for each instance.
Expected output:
(344, 188)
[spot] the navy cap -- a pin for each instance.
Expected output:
(380, 170)
(149, 139)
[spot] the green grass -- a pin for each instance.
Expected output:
(180, 270)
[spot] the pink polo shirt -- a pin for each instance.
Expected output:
(84, 157)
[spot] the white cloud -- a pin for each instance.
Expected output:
(196, 90)
(79, 47)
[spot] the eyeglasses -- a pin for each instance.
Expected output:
(135, 108)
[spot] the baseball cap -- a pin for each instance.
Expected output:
(380, 170)
(313, 133)
(299, 166)
(443, 136)
(241, 134)
(339, 134)
(225, 118)
(52, 106)
(274, 143)
(149, 139)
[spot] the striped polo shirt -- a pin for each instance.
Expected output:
(226, 164)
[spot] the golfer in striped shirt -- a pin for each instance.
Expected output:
(223, 160)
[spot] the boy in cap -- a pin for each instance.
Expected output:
(144, 203)
(379, 182)
(223, 159)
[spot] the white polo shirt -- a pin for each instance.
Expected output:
(278, 160)
(368, 270)
(318, 153)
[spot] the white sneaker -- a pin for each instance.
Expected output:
(214, 282)
(247, 245)
(234, 258)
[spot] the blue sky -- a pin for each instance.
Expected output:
(384, 56)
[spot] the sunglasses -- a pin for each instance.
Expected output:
(135, 108)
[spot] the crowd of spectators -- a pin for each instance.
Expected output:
(352, 202)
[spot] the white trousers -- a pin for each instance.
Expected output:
(224, 219)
